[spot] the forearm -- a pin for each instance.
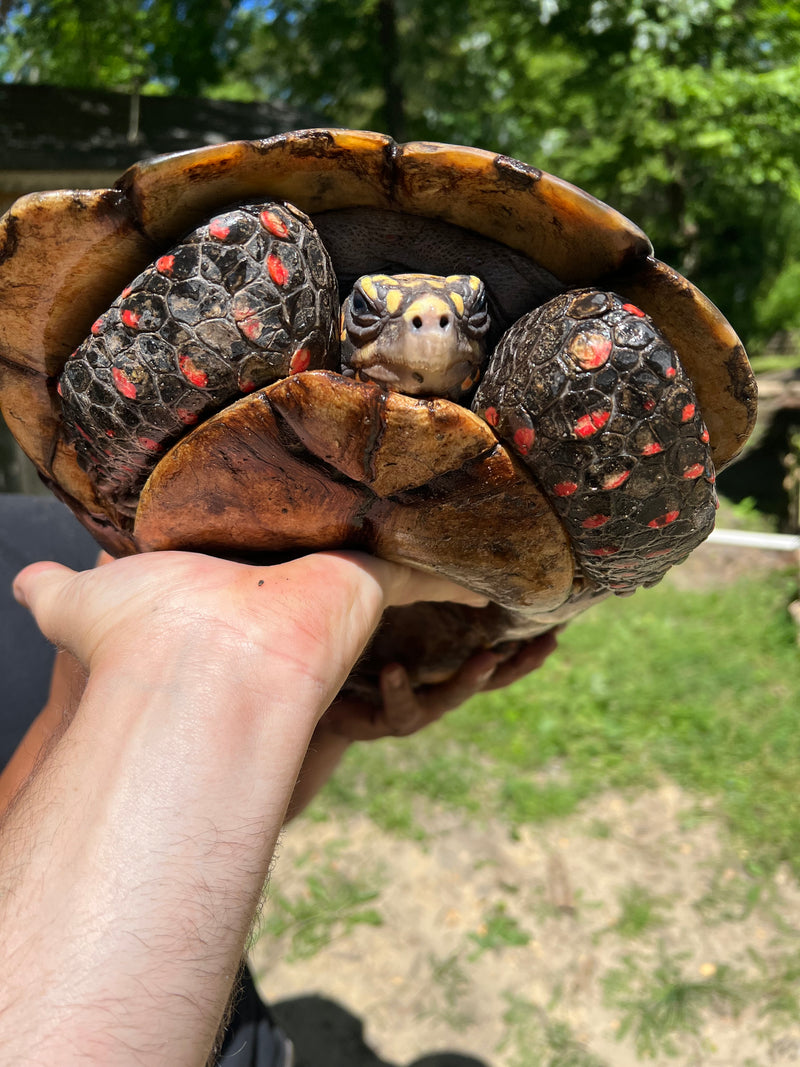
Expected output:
(132, 859)
(324, 755)
(155, 852)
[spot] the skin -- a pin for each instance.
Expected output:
(145, 811)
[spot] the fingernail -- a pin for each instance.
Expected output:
(19, 596)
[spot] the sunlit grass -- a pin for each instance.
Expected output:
(701, 686)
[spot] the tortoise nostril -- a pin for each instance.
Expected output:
(416, 322)
(444, 322)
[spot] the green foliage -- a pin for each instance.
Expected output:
(150, 45)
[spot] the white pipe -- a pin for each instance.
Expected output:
(754, 539)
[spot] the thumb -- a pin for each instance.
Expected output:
(41, 588)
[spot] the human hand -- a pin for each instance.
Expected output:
(405, 710)
(146, 830)
(316, 612)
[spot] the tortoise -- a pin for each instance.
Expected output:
(173, 361)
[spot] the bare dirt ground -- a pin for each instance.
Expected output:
(630, 932)
(431, 980)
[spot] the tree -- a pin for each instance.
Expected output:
(685, 114)
(158, 45)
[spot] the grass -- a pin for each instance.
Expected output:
(449, 985)
(330, 906)
(639, 911)
(497, 931)
(532, 1037)
(660, 1003)
(703, 687)
(768, 363)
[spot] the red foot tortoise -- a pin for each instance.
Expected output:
(515, 393)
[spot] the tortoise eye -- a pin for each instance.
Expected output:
(476, 312)
(363, 320)
(362, 310)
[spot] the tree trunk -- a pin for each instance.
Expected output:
(393, 103)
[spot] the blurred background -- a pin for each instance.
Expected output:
(609, 874)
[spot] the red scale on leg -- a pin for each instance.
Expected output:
(300, 361)
(591, 422)
(248, 322)
(191, 372)
(131, 318)
(123, 383)
(277, 271)
(663, 520)
(165, 264)
(688, 412)
(590, 350)
(523, 439)
(149, 444)
(615, 480)
(490, 415)
(632, 309)
(275, 225)
(594, 522)
(694, 471)
(219, 229)
(565, 488)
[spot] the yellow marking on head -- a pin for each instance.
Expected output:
(394, 301)
(458, 302)
(431, 304)
(474, 283)
(368, 285)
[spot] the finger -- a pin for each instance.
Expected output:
(470, 679)
(404, 712)
(402, 584)
(36, 587)
(41, 588)
(529, 658)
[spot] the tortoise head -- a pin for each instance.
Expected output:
(416, 333)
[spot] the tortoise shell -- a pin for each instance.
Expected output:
(300, 465)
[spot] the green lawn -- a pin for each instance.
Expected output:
(703, 687)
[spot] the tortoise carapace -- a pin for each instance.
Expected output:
(517, 394)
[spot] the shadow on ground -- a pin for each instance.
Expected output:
(327, 1035)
